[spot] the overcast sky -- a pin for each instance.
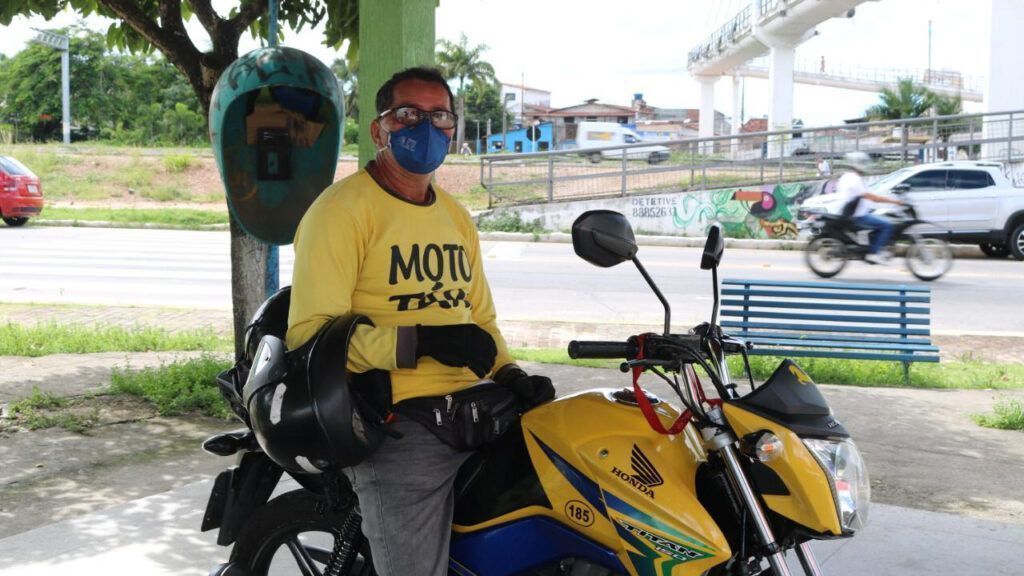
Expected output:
(609, 50)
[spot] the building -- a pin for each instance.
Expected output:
(518, 98)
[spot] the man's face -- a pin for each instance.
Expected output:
(426, 96)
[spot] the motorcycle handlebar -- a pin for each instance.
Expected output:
(598, 349)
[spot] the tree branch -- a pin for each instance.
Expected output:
(247, 15)
(207, 16)
(177, 47)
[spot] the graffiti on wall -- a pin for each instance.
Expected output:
(748, 212)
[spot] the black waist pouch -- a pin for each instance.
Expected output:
(467, 419)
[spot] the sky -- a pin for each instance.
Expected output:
(609, 50)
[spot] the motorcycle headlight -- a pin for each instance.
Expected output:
(845, 469)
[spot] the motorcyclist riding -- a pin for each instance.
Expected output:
(854, 191)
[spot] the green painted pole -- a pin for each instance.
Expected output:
(393, 35)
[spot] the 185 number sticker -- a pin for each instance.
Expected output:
(579, 512)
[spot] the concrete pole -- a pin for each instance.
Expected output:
(1005, 89)
(737, 106)
(706, 127)
(393, 35)
(780, 78)
(65, 93)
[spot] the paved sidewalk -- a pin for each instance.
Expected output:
(158, 536)
(518, 333)
(128, 498)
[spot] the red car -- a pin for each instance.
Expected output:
(21, 195)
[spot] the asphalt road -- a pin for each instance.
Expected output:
(529, 280)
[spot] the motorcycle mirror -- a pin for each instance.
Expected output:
(713, 248)
(604, 238)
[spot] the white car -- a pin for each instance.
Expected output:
(970, 202)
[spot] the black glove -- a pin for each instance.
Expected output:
(531, 390)
(458, 345)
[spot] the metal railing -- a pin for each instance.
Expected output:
(728, 33)
(748, 159)
(945, 79)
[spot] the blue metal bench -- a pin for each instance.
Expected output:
(831, 320)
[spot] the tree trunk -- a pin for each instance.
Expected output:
(248, 277)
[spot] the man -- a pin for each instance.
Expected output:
(388, 244)
(824, 168)
(857, 199)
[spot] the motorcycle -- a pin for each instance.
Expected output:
(599, 483)
(836, 240)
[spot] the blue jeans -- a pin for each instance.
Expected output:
(882, 231)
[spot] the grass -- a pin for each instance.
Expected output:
(93, 171)
(509, 222)
(44, 410)
(175, 163)
(967, 375)
(178, 387)
(178, 217)
(558, 356)
(53, 338)
(1007, 415)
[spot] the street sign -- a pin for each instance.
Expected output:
(533, 133)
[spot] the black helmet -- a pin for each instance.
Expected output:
(305, 407)
(270, 318)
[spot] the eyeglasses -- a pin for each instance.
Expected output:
(409, 116)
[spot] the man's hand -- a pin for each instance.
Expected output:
(458, 345)
(531, 390)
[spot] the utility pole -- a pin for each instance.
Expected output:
(63, 44)
(928, 72)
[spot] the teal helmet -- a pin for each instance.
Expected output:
(276, 119)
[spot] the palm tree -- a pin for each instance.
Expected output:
(907, 100)
(462, 63)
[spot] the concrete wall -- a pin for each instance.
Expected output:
(766, 211)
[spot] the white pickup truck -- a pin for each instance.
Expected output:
(971, 202)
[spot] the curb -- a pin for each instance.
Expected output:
(104, 224)
(959, 250)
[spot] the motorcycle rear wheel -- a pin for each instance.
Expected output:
(289, 537)
(825, 256)
(929, 258)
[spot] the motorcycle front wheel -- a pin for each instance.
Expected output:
(929, 258)
(825, 256)
(289, 537)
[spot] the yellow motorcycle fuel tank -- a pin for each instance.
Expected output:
(614, 480)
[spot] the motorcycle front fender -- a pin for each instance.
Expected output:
(237, 492)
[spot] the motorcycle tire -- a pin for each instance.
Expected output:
(826, 256)
(929, 258)
(289, 535)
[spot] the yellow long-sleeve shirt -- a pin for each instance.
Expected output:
(360, 249)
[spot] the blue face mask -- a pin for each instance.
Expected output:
(420, 149)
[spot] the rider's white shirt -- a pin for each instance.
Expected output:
(850, 186)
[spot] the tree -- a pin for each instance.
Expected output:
(143, 25)
(102, 82)
(483, 103)
(461, 63)
(908, 100)
(348, 78)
